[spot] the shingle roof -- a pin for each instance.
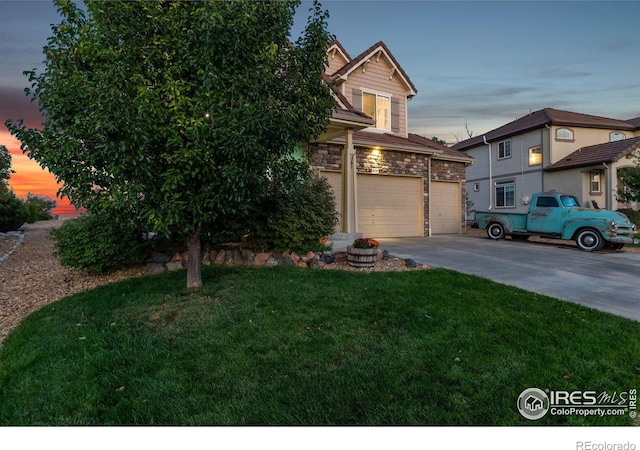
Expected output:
(447, 152)
(635, 122)
(337, 44)
(597, 154)
(388, 141)
(539, 119)
(362, 57)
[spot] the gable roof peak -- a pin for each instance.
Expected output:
(377, 50)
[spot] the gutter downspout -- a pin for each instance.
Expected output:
(490, 174)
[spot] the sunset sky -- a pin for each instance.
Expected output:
(479, 64)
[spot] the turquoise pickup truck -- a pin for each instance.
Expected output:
(559, 216)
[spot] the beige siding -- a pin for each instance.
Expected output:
(375, 78)
(336, 62)
(583, 137)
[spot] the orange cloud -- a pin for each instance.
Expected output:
(31, 178)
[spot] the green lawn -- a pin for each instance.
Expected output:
(310, 347)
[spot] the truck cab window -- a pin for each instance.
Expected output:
(547, 202)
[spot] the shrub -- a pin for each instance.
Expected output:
(297, 213)
(13, 213)
(39, 208)
(98, 243)
(634, 216)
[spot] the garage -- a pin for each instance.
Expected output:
(445, 207)
(388, 206)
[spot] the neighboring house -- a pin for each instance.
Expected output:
(547, 150)
(387, 181)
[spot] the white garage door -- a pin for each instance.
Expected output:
(390, 206)
(445, 207)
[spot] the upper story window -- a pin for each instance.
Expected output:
(535, 156)
(381, 107)
(378, 107)
(616, 136)
(504, 150)
(564, 134)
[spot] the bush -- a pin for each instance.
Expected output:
(98, 243)
(13, 213)
(297, 213)
(39, 208)
(634, 216)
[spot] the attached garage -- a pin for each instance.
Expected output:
(388, 206)
(446, 205)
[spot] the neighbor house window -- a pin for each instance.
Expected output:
(616, 136)
(564, 134)
(505, 194)
(595, 185)
(378, 107)
(535, 156)
(504, 150)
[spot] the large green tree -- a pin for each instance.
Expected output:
(175, 111)
(5, 166)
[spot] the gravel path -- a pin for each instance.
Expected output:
(31, 277)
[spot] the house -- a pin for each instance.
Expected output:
(546, 150)
(387, 182)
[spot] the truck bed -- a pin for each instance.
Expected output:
(513, 222)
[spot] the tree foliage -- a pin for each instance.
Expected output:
(629, 185)
(12, 210)
(39, 207)
(5, 166)
(175, 112)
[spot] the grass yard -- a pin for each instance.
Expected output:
(290, 346)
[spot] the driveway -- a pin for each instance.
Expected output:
(606, 280)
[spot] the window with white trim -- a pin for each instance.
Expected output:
(505, 194)
(378, 107)
(564, 134)
(616, 136)
(595, 186)
(504, 150)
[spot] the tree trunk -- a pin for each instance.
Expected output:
(194, 262)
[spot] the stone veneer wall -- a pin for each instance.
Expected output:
(389, 162)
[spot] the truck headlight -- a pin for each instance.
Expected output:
(613, 225)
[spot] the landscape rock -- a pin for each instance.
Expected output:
(272, 261)
(219, 258)
(159, 257)
(410, 263)
(286, 260)
(155, 267)
(260, 259)
(248, 257)
(174, 265)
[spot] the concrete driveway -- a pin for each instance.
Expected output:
(606, 280)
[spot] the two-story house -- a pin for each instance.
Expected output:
(387, 182)
(547, 150)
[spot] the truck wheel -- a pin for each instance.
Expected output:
(589, 240)
(495, 231)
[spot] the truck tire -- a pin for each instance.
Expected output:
(495, 231)
(589, 240)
